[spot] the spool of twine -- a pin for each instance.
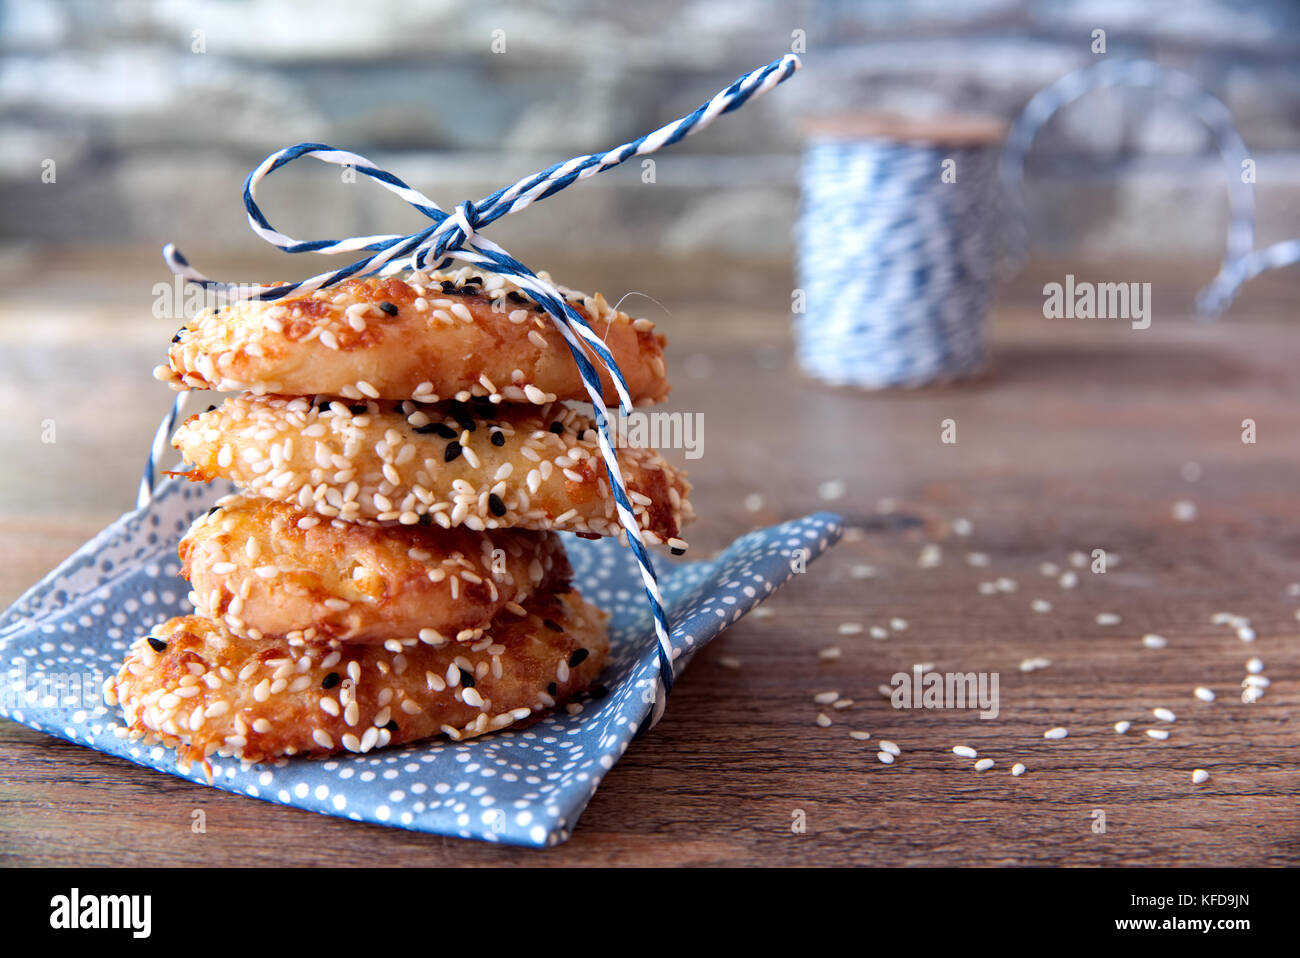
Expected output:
(897, 244)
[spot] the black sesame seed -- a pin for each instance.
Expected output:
(210, 408)
(214, 509)
(467, 678)
(391, 726)
(177, 337)
(551, 690)
(473, 281)
(677, 552)
(158, 645)
(552, 625)
(330, 681)
(451, 452)
(358, 409)
(496, 505)
(438, 429)
(578, 657)
(515, 297)
(557, 427)
(426, 518)
(388, 308)
(498, 438)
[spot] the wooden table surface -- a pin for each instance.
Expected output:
(1079, 439)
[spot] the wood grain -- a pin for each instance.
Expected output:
(1075, 441)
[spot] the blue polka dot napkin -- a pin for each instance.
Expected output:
(61, 640)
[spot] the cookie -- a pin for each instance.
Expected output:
(427, 336)
(196, 687)
(265, 570)
(477, 465)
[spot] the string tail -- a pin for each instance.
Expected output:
(165, 429)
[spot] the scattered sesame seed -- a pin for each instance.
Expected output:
(860, 736)
(983, 765)
(1056, 733)
(1123, 726)
(1246, 633)
(1158, 734)
(1153, 641)
(887, 746)
(869, 571)
(1041, 605)
(729, 662)
(1017, 770)
(830, 653)
(1204, 694)
(885, 757)
(1068, 580)
(1200, 776)
(965, 751)
(1108, 618)
(977, 559)
(825, 698)
(832, 489)
(1163, 714)
(850, 628)
(962, 527)
(1184, 510)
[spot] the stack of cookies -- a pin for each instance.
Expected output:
(406, 451)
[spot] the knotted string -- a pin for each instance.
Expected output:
(456, 235)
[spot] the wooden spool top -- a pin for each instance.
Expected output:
(964, 129)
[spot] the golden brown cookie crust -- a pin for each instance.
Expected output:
(266, 570)
(198, 688)
(425, 336)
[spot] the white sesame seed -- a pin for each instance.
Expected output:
(1163, 714)
(823, 720)
(1068, 580)
(1153, 641)
(888, 746)
(1158, 734)
(962, 527)
(1017, 770)
(965, 751)
(977, 559)
(983, 765)
(729, 662)
(1255, 666)
(1184, 510)
(860, 736)
(1200, 776)
(1107, 618)
(869, 571)
(850, 628)
(1041, 605)
(1006, 585)
(898, 625)
(879, 632)
(885, 757)
(1123, 726)
(1204, 694)
(1246, 634)
(829, 653)
(1056, 733)
(825, 698)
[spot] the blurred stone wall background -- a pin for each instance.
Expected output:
(155, 111)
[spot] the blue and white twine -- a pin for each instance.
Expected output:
(455, 236)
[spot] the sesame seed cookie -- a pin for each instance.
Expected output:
(196, 687)
(265, 570)
(477, 464)
(426, 336)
